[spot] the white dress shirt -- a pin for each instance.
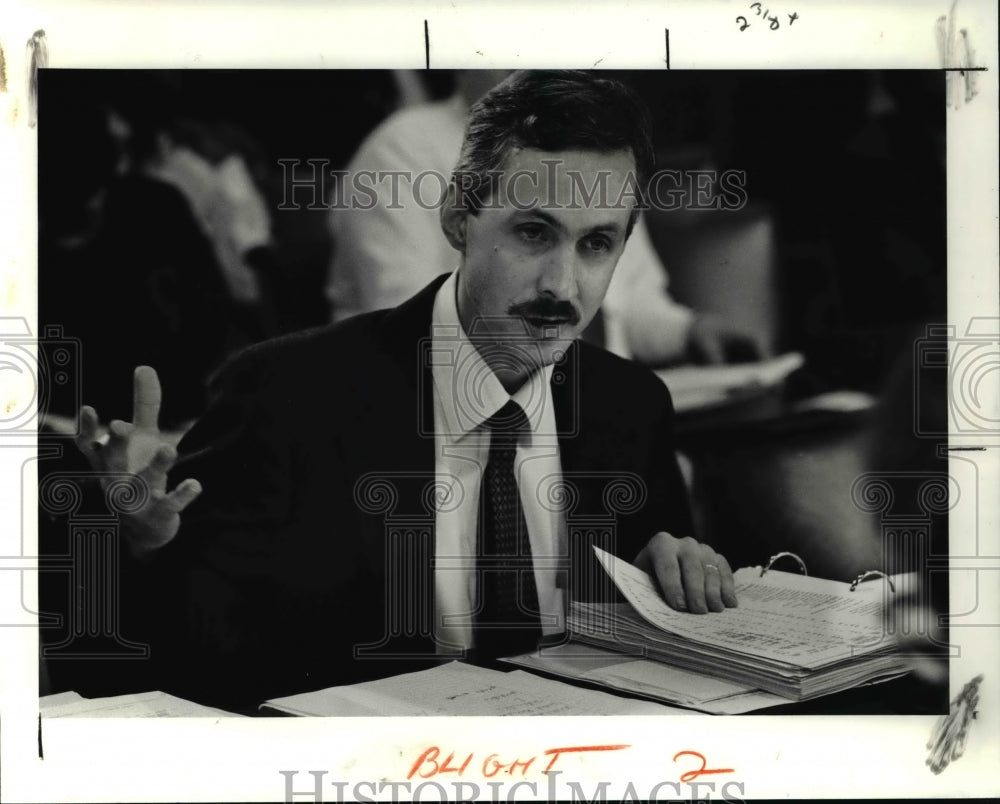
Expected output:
(466, 394)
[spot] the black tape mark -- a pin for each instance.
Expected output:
(966, 449)
(427, 46)
(666, 34)
(38, 57)
(41, 753)
(957, 56)
(951, 732)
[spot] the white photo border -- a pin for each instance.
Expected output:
(772, 757)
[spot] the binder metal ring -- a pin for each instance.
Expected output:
(785, 554)
(864, 576)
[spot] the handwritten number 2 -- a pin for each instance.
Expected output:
(745, 24)
(702, 771)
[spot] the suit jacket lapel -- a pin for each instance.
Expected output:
(390, 449)
(597, 465)
(394, 434)
(570, 406)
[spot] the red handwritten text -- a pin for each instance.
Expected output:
(430, 763)
(691, 775)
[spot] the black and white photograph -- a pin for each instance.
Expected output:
(633, 412)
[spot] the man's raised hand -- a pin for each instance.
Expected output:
(139, 448)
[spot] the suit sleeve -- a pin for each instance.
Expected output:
(231, 586)
(669, 499)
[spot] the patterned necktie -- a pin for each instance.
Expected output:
(508, 619)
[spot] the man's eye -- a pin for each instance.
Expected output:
(531, 233)
(597, 245)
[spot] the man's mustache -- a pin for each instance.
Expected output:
(547, 309)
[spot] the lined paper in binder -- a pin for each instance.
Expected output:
(792, 635)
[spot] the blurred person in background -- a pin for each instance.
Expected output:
(215, 179)
(148, 247)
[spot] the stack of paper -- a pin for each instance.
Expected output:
(649, 679)
(462, 689)
(792, 635)
(702, 387)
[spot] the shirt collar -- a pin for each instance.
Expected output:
(467, 390)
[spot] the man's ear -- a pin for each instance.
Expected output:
(454, 219)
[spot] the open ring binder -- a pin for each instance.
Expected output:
(793, 635)
(864, 576)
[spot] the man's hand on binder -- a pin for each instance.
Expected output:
(140, 448)
(691, 575)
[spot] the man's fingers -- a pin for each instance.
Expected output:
(668, 573)
(155, 474)
(146, 398)
(713, 587)
(115, 452)
(158, 523)
(712, 568)
(728, 585)
(659, 559)
(89, 428)
(693, 578)
(181, 497)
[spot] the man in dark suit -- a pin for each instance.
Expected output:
(428, 482)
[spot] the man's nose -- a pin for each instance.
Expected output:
(558, 274)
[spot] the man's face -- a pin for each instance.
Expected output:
(539, 255)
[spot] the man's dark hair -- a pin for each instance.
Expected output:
(550, 110)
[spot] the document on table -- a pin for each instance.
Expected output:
(144, 704)
(58, 699)
(463, 689)
(662, 682)
(693, 387)
(783, 617)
